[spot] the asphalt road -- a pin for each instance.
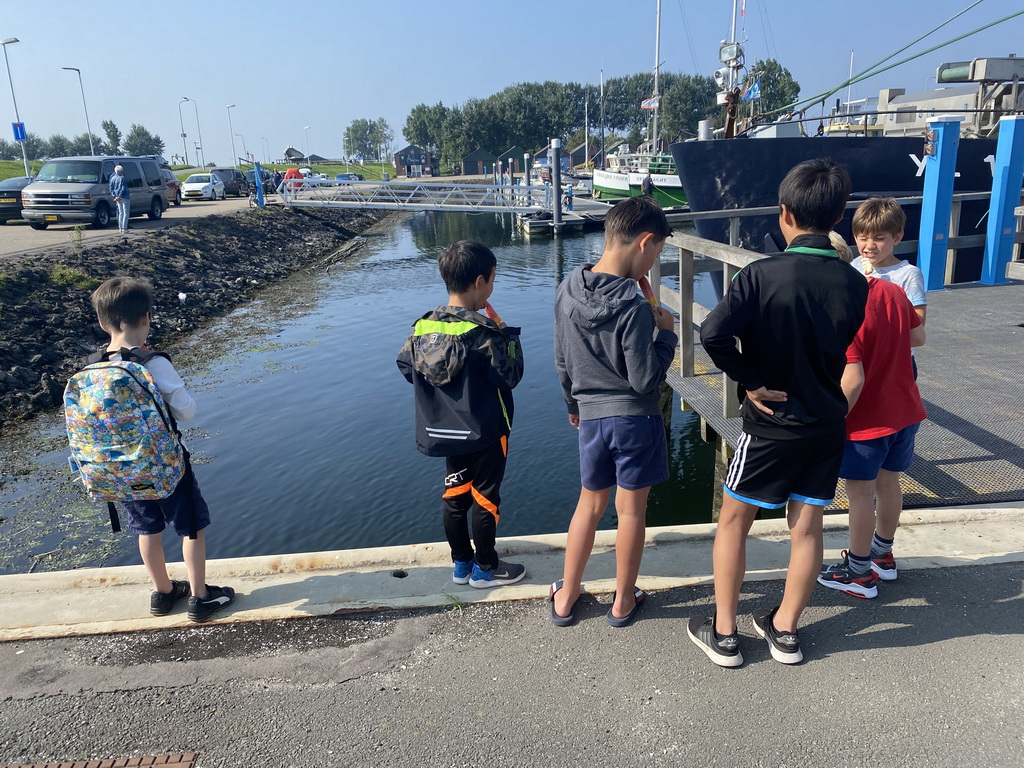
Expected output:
(17, 237)
(931, 673)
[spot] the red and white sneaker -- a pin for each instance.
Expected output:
(884, 567)
(839, 576)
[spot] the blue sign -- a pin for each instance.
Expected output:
(19, 132)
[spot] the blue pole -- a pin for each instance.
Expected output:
(939, 170)
(259, 186)
(1008, 173)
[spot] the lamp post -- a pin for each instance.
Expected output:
(305, 140)
(92, 150)
(266, 151)
(5, 43)
(245, 152)
(234, 160)
(181, 122)
(199, 130)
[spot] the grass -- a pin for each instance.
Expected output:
(61, 274)
(11, 168)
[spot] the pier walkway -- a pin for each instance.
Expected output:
(930, 673)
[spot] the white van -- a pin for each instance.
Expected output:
(76, 189)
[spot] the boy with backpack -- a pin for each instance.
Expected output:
(121, 411)
(463, 365)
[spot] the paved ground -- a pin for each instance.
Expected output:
(18, 237)
(930, 673)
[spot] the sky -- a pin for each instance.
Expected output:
(323, 63)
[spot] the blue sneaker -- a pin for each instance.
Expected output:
(462, 571)
(505, 573)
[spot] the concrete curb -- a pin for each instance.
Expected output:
(105, 600)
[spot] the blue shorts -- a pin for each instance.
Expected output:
(894, 453)
(149, 517)
(628, 451)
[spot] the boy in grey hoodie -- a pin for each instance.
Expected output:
(612, 349)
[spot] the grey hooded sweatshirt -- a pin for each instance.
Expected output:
(610, 355)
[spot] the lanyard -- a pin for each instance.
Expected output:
(814, 251)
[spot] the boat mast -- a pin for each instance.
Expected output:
(586, 132)
(602, 120)
(732, 39)
(657, 66)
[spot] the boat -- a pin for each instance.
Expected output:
(624, 170)
(883, 150)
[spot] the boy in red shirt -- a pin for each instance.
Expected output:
(885, 413)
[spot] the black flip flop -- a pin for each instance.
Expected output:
(626, 620)
(561, 621)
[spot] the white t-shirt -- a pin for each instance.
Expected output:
(904, 274)
(171, 386)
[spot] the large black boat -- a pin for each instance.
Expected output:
(745, 171)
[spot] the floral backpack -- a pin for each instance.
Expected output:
(125, 445)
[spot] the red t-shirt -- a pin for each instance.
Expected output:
(889, 400)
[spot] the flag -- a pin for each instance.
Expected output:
(652, 103)
(752, 92)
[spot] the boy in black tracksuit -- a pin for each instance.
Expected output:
(464, 365)
(795, 313)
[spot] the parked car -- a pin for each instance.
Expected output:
(173, 186)
(78, 189)
(203, 186)
(349, 177)
(266, 178)
(10, 197)
(234, 181)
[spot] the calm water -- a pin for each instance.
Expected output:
(304, 438)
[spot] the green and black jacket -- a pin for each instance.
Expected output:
(463, 367)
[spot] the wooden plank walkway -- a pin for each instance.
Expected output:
(972, 382)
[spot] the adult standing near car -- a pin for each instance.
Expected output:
(119, 191)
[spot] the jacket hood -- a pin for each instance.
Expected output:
(594, 297)
(440, 351)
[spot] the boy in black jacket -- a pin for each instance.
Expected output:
(464, 365)
(795, 314)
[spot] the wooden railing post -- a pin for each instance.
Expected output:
(685, 312)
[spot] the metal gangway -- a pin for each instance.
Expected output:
(416, 196)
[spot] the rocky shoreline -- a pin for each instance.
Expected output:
(47, 325)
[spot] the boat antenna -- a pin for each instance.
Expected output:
(657, 67)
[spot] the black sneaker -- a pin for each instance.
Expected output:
(724, 650)
(785, 646)
(505, 573)
(216, 598)
(160, 604)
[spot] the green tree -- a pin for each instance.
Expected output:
(113, 137)
(9, 150)
(778, 88)
(80, 144)
(686, 101)
(382, 137)
(358, 138)
(424, 125)
(139, 141)
(35, 146)
(58, 145)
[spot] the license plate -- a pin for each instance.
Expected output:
(49, 218)
(8, 199)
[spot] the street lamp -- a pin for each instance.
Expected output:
(234, 160)
(5, 43)
(266, 151)
(245, 152)
(305, 140)
(199, 130)
(181, 122)
(92, 150)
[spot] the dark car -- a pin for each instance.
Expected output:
(173, 186)
(10, 197)
(266, 178)
(234, 181)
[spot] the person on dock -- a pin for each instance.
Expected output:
(123, 307)
(878, 226)
(611, 352)
(568, 198)
(464, 365)
(885, 413)
(795, 314)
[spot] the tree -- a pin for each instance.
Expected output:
(686, 101)
(113, 137)
(80, 144)
(381, 136)
(35, 146)
(359, 139)
(425, 125)
(778, 88)
(9, 150)
(139, 141)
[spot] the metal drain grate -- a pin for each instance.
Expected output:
(140, 761)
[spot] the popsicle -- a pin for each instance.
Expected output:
(648, 291)
(489, 311)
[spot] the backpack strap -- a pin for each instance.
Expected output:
(115, 523)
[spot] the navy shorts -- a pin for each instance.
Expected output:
(149, 517)
(627, 451)
(768, 473)
(894, 453)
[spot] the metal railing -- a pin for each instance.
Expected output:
(415, 196)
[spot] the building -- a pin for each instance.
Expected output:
(413, 162)
(479, 163)
(514, 155)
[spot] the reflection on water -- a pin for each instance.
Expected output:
(304, 438)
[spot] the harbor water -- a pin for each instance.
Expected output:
(304, 438)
